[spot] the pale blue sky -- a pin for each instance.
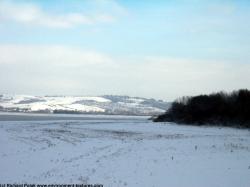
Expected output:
(162, 49)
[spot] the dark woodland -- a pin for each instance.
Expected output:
(226, 109)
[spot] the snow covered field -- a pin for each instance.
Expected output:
(123, 151)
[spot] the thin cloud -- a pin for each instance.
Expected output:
(69, 70)
(31, 14)
(110, 5)
(51, 55)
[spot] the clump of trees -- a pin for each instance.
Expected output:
(228, 109)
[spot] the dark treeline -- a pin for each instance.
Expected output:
(228, 109)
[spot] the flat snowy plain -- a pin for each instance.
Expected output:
(121, 151)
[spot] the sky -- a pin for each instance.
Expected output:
(161, 49)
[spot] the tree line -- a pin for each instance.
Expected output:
(228, 109)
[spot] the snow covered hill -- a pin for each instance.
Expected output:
(108, 104)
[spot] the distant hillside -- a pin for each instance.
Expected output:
(221, 108)
(107, 104)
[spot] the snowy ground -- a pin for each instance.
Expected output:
(123, 152)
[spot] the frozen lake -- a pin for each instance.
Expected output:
(120, 151)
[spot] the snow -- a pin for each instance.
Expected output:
(80, 107)
(27, 103)
(116, 151)
(53, 103)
